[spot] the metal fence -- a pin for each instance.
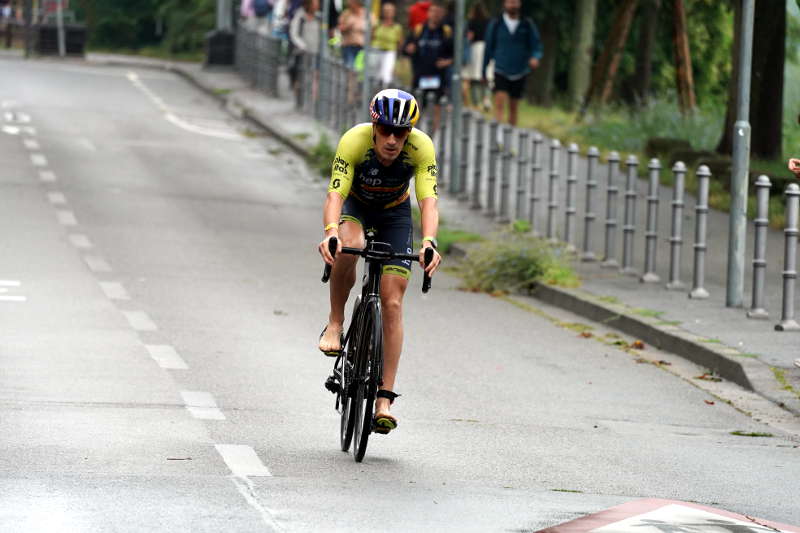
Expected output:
(512, 174)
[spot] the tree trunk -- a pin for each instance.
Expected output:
(581, 62)
(644, 52)
(683, 60)
(605, 70)
(725, 145)
(766, 83)
(540, 85)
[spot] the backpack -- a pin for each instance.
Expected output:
(262, 8)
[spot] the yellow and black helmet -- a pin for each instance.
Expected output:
(394, 107)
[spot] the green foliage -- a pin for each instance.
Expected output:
(511, 261)
(187, 22)
(322, 157)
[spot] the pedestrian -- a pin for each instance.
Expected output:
(418, 13)
(430, 47)
(304, 35)
(513, 43)
(386, 39)
(471, 74)
(353, 27)
(6, 11)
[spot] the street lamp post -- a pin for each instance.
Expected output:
(737, 222)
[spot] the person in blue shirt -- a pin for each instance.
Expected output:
(513, 43)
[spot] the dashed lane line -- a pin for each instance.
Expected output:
(31, 144)
(242, 460)
(47, 176)
(39, 160)
(10, 283)
(97, 263)
(56, 198)
(81, 241)
(66, 218)
(202, 405)
(166, 356)
(12, 298)
(140, 321)
(114, 290)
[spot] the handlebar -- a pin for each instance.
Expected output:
(333, 244)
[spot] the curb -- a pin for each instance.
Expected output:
(729, 363)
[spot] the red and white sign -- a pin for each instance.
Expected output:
(668, 516)
(51, 6)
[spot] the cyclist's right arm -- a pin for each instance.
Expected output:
(342, 172)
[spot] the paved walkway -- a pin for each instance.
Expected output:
(743, 350)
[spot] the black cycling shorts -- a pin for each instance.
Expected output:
(391, 225)
(514, 88)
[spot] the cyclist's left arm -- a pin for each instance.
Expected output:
(427, 196)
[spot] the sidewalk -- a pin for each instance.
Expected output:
(748, 352)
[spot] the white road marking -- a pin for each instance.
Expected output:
(202, 405)
(242, 460)
(56, 198)
(11, 130)
(30, 130)
(9, 283)
(247, 490)
(140, 321)
(166, 356)
(66, 218)
(79, 240)
(97, 263)
(31, 144)
(5, 298)
(47, 176)
(114, 290)
(39, 160)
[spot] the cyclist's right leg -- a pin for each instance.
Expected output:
(343, 277)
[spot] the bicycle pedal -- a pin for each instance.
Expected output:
(332, 385)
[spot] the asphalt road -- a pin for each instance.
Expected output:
(160, 304)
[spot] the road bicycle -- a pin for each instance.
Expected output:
(358, 369)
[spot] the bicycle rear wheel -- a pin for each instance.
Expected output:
(368, 372)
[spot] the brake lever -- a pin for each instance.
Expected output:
(426, 279)
(333, 244)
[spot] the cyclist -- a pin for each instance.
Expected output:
(370, 188)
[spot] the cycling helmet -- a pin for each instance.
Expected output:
(394, 107)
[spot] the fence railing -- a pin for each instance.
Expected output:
(507, 174)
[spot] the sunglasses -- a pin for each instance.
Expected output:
(398, 132)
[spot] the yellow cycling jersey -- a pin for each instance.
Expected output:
(357, 171)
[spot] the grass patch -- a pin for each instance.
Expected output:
(155, 52)
(301, 136)
(739, 433)
(668, 323)
(222, 92)
(447, 237)
(513, 261)
(749, 355)
(609, 299)
(780, 376)
(648, 313)
(711, 341)
(575, 326)
(322, 156)
(568, 490)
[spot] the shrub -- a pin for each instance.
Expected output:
(513, 261)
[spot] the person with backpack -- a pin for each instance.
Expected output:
(513, 43)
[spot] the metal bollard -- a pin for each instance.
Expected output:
(480, 130)
(757, 310)
(788, 323)
(698, 292)
(441, 160)
(572, 184)
(494, 153)
(651, 235)
(552, 191)
(629, 218)
(505, 175)
(676, 239)
(536, 171)
(522, 173)
(461, 187)
(591, 184)
(611, 213)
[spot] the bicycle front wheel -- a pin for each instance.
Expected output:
(368, 370)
